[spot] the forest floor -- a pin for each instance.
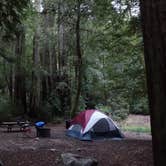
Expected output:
(18, 149)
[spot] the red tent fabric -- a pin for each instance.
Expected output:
(83, 118)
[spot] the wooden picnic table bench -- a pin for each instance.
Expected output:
(22, 125)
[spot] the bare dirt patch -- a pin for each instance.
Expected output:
(137, 121)
(16, 149)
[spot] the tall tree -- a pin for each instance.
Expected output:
(46, 52)
(154, 32)
(36, 80)
(79, 61)
(35, 91)
(62, 87)
(19, 82)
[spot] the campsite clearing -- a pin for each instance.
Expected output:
(16, 149)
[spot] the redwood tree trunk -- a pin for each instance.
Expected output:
(19, 79)
(35, 95)
(79, 61)
(62, 48)
(154, 33)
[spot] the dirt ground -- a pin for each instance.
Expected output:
(137, 120)
(18, 149)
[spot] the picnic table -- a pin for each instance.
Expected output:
(21, 124)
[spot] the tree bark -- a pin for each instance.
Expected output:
(19, 78)
(154, 32)
(62, 37)
(79, 62)
(64, 92)
(36, 78)
(46, 56)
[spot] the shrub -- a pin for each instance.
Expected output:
(5, 109)
(53, 106)
(120, 114)
(117, 115)
(105, 109)
(140, 106)
(45, 113)
(57, 120)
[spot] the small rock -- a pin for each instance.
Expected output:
(1, 164)
(53, 150)
(79, 149)
(37, 139)
(70, 159)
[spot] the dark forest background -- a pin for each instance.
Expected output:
(58, 57)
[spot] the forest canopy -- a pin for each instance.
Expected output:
(58, 57)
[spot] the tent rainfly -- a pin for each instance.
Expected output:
(93, 124)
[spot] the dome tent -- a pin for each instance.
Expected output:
(93, 124)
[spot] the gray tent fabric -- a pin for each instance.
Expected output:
(101, 126)
(102, 129)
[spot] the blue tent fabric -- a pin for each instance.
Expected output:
(78, 135)
(40, 124)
